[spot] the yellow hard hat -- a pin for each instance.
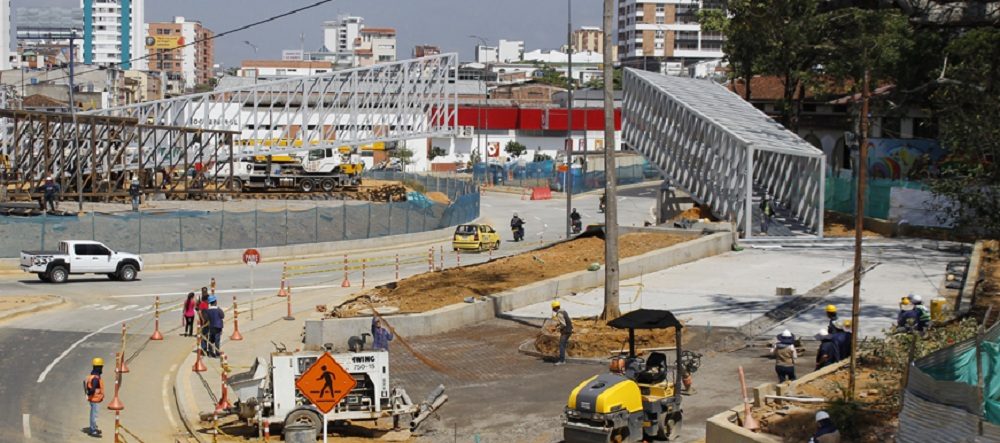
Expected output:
(847, 323)
(97, 361)
(831, 308)
(905, 301)
(555, 304)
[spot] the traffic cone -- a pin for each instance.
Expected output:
(213, 286)
(122, 367)
(282, 292)
(116, 403)
(156, 323)
(236, 323)
(199, 366)
(288, 304)
(346, 283)
(223, 403)
(267, 430)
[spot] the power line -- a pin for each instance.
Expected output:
(215, 36)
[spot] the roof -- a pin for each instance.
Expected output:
(720, 107)
(284, 64)
(772, 88)
(379, 31)
(43, 101)
(646, 319)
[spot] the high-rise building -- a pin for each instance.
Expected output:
(376, 45)
(588, 38)
(4, 34)
(486, 54)
(664, 35)
(114, 33)
(181, 49)
(342, 35)
(510, 51)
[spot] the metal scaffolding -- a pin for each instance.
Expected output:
(386, 102)
(721, 150)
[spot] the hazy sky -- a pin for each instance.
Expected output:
(445, 23)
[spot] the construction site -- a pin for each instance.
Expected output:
(283, 276)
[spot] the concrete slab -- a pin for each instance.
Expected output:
(726, 290)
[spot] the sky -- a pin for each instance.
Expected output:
(445, 23)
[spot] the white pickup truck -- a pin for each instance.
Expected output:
(81, 257)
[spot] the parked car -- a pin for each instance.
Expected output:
(475, 237)
(81, 257)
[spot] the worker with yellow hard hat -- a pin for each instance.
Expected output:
(909, 317)
(831, 315)
(565, 326)
(93, 387)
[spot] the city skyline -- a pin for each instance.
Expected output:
(443, 23)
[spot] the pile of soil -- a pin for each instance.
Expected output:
(438, 197)
(693, 213)
(429, 291)
(594, 338)
(798, 422)
(837, 229)
(20, 301)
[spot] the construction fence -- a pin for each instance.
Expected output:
(545, 173)
(841, 195)
(187, 230)
(945, 401)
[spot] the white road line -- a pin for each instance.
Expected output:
(106, 307)
(165, 396)
(224, 291)
(41, 377)
(127, 307)
(26, 425)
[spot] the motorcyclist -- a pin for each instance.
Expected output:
(603, 203)
(517, 226)
(575, 218)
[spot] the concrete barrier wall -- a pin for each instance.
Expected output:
(338, 331)
(274, 253)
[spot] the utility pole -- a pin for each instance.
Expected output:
(611, 309)
(569, 118)
(76, 129)
(859, 225)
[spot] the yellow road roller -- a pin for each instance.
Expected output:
(638, 398)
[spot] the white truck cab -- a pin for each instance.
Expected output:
(81, 257)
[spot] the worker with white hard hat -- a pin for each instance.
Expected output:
(565, 327)
(784, 356)
(918, 304)
(828, 352)
(50, 194)
(826, 430)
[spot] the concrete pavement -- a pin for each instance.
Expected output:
(53, 348)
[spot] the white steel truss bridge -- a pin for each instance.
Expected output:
(722, 151)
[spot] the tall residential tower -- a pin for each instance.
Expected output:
(113, 33)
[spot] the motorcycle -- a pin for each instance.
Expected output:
(577, 226)
(518, 233)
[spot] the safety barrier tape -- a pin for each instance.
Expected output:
(132, 434)
(355, 268)
(357, 260)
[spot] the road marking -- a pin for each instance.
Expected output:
(166, 404)
(26, 424)
(41, 377)
(536, 218)
(107, 307)
(225, 291)
(127, 307)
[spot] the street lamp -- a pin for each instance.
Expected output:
(256, 71)
(486, 91)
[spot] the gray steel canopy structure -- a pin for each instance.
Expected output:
(721, 150)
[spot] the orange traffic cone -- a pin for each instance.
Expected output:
(156, 323)
(236, 323)
(346, 283)
(122, 368)
(116, 403)
(223, 403)
(282, 292)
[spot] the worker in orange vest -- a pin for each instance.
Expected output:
(93, 387)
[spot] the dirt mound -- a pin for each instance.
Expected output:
(438, 197)
(837, 229)
(430, 291)
(693, 213)
(594, 338)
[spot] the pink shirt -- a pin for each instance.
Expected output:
(189, 308)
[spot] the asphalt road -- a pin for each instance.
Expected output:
(47, 355)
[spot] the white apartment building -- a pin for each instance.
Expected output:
(341, 35)
(665, 30)
(114, 33)
(486, 54)
(510, 51)
(4, 35)
(377, 45)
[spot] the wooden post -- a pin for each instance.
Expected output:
(859, 225)
(611, 303)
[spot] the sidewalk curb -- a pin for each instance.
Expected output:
(33, 308)
(180, 399)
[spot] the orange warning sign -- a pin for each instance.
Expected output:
(325, 383)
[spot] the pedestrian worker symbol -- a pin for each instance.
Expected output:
(325, 383)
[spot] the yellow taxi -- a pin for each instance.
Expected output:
(475, 237)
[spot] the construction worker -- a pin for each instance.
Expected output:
(135, 191)
(784, 356)
(826, 430)
(50, 194)
(380, 335)
(842, 337)
(909, 317)
(918, 305)
(767, 211)
(831, 315)
(828, 352)
(215, 317)
(93, 387)
(565, 327)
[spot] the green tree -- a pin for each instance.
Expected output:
(436, 152)
(967, 107)
(403, 154)
(515, 149)
(549, 76)
(598, 83)
(746, 42)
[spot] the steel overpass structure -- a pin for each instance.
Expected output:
(722, 151)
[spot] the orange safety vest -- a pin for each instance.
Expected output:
(98, 395)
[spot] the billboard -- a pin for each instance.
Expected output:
(164, 41)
